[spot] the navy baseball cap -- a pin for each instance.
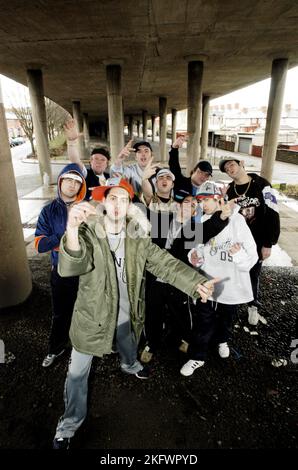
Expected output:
(142, 142)
(205, 166)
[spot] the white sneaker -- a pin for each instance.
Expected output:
(223, 350)
(50, 358)
(253, 316)
(190, 367)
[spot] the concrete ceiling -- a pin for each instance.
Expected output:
(71, 39)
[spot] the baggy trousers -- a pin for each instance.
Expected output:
(76, 384)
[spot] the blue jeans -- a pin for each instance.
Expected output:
(76, 384)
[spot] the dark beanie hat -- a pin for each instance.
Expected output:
(142, 142)
(103, 151)
(203, 165)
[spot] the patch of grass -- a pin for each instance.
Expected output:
(290, 190)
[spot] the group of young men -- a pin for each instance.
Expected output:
(102, 246)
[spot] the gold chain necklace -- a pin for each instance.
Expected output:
(243, 194)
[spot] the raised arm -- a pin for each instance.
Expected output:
(147, 186)
(76, 254)
(173, 271)
(117, 166)
(77, 215)
(174, 158)
(73, 143)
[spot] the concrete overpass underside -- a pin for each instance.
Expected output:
(71, 41)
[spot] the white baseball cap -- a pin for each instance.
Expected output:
(165, 171)
(209, 189)
(72, 176)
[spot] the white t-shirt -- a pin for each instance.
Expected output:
(117, 246)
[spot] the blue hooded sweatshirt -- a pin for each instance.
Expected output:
(52, 220)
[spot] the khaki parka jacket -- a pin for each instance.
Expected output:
(96, 309)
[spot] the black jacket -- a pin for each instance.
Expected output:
(181, 181)
(259, 207)
(92, 181)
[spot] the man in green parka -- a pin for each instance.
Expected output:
(110, 252)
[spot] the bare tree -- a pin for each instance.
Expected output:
(56, 117)
(24, 115)
(20, 106)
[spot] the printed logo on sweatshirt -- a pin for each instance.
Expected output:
(248, 207)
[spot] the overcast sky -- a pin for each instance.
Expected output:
(254, 95)
(258, 94)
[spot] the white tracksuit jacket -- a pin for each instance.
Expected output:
(217, 262)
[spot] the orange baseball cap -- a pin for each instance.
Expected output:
(98, 193)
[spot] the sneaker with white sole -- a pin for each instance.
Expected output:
(190, 366)
(253, 316)
(223, 350)
(61, 443)
(50, 358)
(144, 373)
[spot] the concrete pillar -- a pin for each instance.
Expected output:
(15, 277)
(115, 109)
(145, 119)
(138, 128)
(107, 130)
(153, 125)
(130, 127)
(163, 129)
(276, 96)
(35, 85)
(86, 130)
(205, 125)
(174, 124)
(78, 117)
(194, 111)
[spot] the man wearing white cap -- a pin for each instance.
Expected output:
(51, 226)
(157, 187)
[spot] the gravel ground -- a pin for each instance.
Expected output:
(239, 403)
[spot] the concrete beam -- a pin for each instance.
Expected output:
(194, 111)
(163, 128)
(130, 126)
(78, 117)
(276, 96)
(205, 124)
(35, 85)
(115, 109)
(145, 122)
(174, 124)
(153, 125)
(15, 278)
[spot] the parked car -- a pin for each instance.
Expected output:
(18, 140)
